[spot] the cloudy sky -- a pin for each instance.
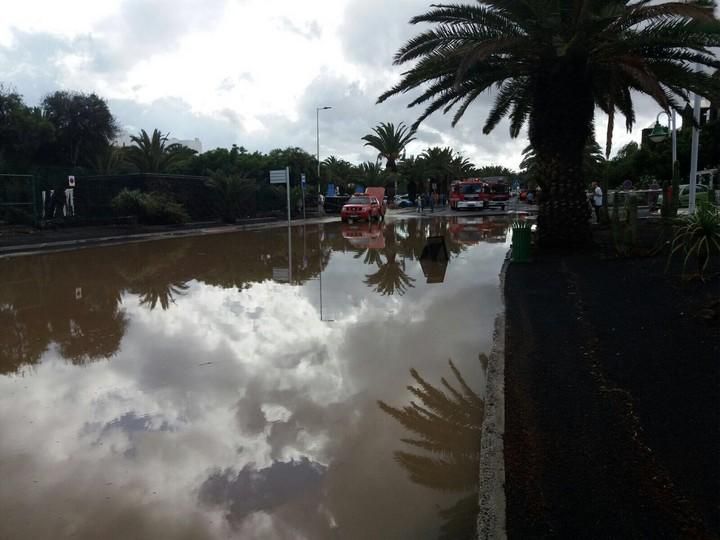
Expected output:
(249, 72)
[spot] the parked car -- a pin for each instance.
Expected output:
(701, 194)
(403, 201)
(362, 207)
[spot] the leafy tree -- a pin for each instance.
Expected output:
(371, 174)
(152, 154)
(553, 63)
(390, 142)
(108, 161)
(494, 170)
(84, 126)
(440, 166)
(339, 171)
(24, 131)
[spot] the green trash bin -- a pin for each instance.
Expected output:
(521, 242)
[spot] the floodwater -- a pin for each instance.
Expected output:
(227, 386)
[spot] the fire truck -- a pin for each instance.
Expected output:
(478, 193)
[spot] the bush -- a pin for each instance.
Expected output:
(15, 216)
(270, 198)
(697, 235)
(235, 197)
(149, 208)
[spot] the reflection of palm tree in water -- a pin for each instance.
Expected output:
(390, 278)
(372, 256)
(162, 291)
(448, 424)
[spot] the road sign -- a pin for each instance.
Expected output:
(302, 179)
(279, 176)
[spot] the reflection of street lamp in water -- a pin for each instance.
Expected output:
(320, 262)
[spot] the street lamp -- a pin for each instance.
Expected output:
(317, 125)
(659, 133)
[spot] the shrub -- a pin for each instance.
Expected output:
(15, 216)
(235, 197)
(698, 235)
(149, 208)
(270, 198)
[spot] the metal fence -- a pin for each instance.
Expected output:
(93, 195)
(27, 199)
(18, 199)
(643, 197)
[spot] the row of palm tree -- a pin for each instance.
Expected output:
(553, 63)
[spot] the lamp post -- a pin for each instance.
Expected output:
(659, 133)
(317, 126)
(694, 153)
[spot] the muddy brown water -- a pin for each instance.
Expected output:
(227, 386)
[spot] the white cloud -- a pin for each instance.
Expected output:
(249, 72)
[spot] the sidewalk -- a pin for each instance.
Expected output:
(35, 241)
(612, 400)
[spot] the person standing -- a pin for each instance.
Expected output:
(597, 200)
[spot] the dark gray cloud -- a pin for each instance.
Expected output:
(252, 490)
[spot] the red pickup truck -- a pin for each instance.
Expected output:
(366, 206)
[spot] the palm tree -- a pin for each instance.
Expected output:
(152, 154)
(592, 158)
(107, 161)
(371, 174)
(438, 163)
(553, 63)
(339, 171)
(390, 142)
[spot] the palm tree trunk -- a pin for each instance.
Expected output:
(560, 125)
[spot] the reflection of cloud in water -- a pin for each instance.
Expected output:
(238, 380)
(252, 490)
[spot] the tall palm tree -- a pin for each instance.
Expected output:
(390, 142)
(592, 158)
(554, 62)
(152, 154)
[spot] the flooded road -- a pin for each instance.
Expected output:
(228, 386)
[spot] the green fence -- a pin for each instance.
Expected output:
(93, 195)
(55, 196)
(18, 199)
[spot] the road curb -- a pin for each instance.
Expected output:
(491, 521)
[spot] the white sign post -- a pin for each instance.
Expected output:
(302, 187)
(282, 176)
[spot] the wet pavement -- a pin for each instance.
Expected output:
(228, 386)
